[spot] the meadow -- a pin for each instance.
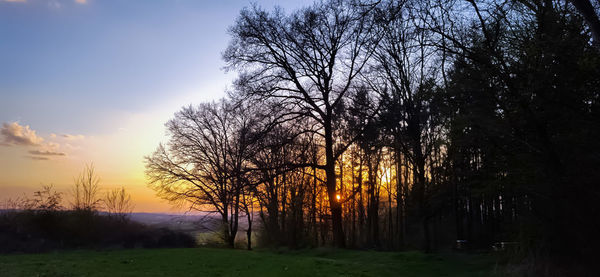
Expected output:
(226, 262)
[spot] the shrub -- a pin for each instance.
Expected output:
(43, 230)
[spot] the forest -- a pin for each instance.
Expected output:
(399, 125)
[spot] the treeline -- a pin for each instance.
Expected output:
(400, 124)
(47, 222)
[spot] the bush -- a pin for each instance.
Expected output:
(43, 230)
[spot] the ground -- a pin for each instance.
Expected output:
(225, 262)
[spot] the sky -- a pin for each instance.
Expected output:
(90, 81)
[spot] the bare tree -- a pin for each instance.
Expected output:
(407, 76)
(118, 203)
(248, 206)
(46, 199)
(15, 203)
(85, 190)
(205, 161)
(308, 61)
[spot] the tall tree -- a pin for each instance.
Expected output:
(406, 74)
(308, 60)
(205, 161)
(522, 89)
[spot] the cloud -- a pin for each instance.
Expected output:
(14, 1)
(37, 158)
(73, 137)
(13, 133)
(46, 153)
(81, 2)
(51, 145)
(53, 4)
(72, 147)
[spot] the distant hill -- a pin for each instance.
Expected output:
(179, 222)
(160, 218)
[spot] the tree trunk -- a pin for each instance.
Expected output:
(314, 207)
(335, 205)
(399, 199)
(361, 207)
(353, 207)
(235, 220)
(249, 231)
(586, 9)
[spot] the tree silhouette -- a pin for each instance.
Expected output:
(308, 61)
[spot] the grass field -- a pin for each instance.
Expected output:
(224, 262)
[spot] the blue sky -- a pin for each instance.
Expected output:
(71, 62)
(96, 81)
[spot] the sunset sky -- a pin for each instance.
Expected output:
(95, 81)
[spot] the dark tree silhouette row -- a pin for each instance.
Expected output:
(400, 124)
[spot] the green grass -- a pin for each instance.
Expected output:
(224, 262)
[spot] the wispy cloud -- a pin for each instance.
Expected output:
(16, 134)
(46, 153)
(72, 147)
(37, 158)
(51, 145)
(53, 4)
(72, 137)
